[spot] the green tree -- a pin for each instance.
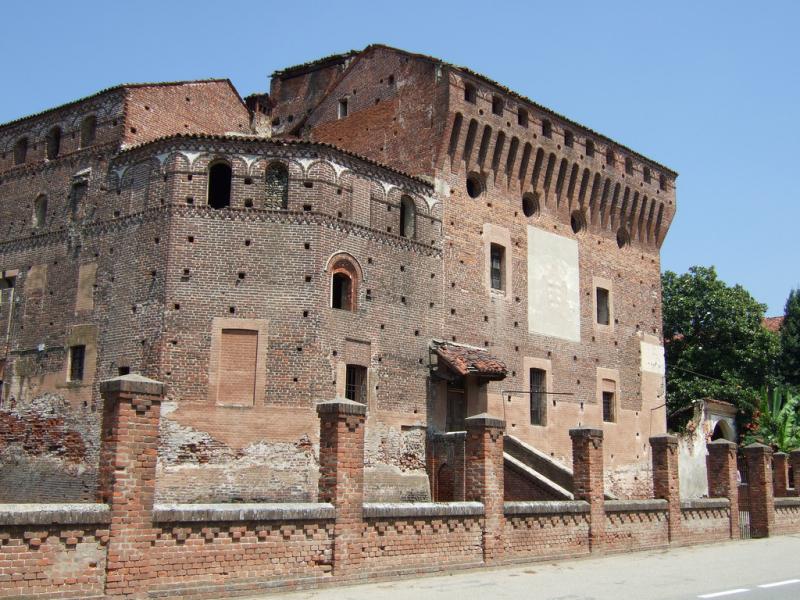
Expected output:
(790, 340)
(775, 421)
(715, 344)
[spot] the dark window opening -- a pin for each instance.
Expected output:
(603, 307)
(522, 117)
(608, 407)
(474, 185)
(456, 406)
(662, 182)
(219, 185)
(569, 138)
(88, 131)
(577, 221)
(77, 355)
(53, 142)
(355, 388)
(21, 151)
(628, 166)
(538, 395)
(589, 148)
(342, 108)
(342, 297)
(497, 260)
(646, 174)
(407, 217)
(610, 158)
(470, 93)
(623, 237)
(277, 182)
(124, 371)
(530, 205)
(76, 197)
(547, 128)
(497, 105)
(7, 282)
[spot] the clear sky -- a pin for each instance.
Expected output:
(711, 89)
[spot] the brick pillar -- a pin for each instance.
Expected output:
(128, 452)
(587, 468)
(341, 476)
(484, 479)
(794, 458)
(665, 480)
(780, 474)
(762, 502)
(723, 477)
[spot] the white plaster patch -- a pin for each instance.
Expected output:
(553, 285)
(249, 159)
(338, 168)
(652, 358)
(191, 156)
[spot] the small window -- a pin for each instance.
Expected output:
(342, 291)
(342, 108)
(611, 160)
(355, 388)
(40, 211)
(219, 185)
(77, 355)
(21, 151)
(589, 148)
(76, 197)
(496, 266)
(407, 217)
(470, 93)
(277, 183)
(547, 128)
(7, 282)
(522, 117)
(603, 306)
(530, 205)
(122, 371)
(497, 105)
(538, 393)
(662, 182)
(88, 131)
(53, 142)
(569, 138)
(474, 185)
(628, 165)
(646, 174)
(609, 408)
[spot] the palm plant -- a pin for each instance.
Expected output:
(775, 421)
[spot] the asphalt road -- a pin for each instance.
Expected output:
(742, 570)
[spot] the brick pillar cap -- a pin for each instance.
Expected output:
(721, 442)
(664, 438)
(795, 452)
(755, 447)
(781, 454)
(484, 420)
(132, 384)
(341, 406)
(585, 432)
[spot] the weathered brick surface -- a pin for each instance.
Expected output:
(628, 529)
(705, 525)
(721, 466)
(545, 535)
(760, 489)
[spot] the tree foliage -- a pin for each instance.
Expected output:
(790, 340)
(775, 421)
(715, 344)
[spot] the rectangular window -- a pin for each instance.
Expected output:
(609, 411)
(497, 105)
(497, 262)
(603, 306)
(356, 384)
(470, 95)
(77, 355)
(342, 108)
(124, 371)
(538, 395)
(522, 117)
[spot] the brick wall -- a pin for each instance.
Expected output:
(636, 524)
(546, 529)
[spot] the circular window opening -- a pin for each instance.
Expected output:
(530, 205)
(577, 221)
(474, 185)
(623, 237)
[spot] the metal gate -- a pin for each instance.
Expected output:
(744, 524)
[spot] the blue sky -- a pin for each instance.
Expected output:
(711, 89)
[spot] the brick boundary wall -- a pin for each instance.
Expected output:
(126, 545)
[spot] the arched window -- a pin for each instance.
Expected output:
(219, 185)
(76, 196)
(53, 142)
(407, 217)
(277, 186)
(88, 130)
(40, 211)
(474, 185)
(530, 204)
(21, 151)
(344, 283)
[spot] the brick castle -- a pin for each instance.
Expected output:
(383, 227)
